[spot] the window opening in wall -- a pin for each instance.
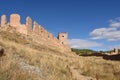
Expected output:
(62, 36)
(62, 42)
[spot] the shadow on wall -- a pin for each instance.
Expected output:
(115, 57)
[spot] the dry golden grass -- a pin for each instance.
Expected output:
(38, 62)
(51, 65)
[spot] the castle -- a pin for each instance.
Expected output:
(36, 32)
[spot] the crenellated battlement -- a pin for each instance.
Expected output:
(37, 32)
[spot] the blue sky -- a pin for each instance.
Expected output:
(93, 24)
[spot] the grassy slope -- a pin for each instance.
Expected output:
(27, 60)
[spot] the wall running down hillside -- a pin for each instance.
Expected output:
(36, 32)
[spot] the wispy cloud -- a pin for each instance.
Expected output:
(80, 43)
(115, 23)
(112, 33)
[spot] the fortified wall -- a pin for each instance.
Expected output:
(36, 32)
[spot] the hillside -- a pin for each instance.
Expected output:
(28, 60)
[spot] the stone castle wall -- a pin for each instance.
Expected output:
(15, 20)
(37, 32)
(3, 20)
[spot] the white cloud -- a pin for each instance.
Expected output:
(115, 24)
(80, 43)
(111, 33)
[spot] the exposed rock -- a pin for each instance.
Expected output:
(32, 69)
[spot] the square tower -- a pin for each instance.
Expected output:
(63, 37)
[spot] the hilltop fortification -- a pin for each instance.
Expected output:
(36, 32)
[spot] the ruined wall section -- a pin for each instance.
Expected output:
(3, 21)
(36, 28)
(15, 20)
(22, 29)
(36, 33)
(29, 25)
(44, 37)
(15, 23)
(41, 29)
(41, 34)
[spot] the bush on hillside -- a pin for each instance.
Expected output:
(82, 51)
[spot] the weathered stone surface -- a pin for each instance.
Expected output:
(45, 34)
(22, 29)
(15, 20)
(3, 20)
(63, 37)
(2, 51)
(29, 25)
(36, 28)
(37, 33)
(41, 30)
(50, 36)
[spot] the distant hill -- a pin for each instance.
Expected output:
(83, 51)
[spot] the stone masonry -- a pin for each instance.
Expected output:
(15, 20)
(37, 32)
(63, 38)
(3, 20)
(36, 28)
(29, 25)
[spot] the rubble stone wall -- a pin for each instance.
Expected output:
(37, 32)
